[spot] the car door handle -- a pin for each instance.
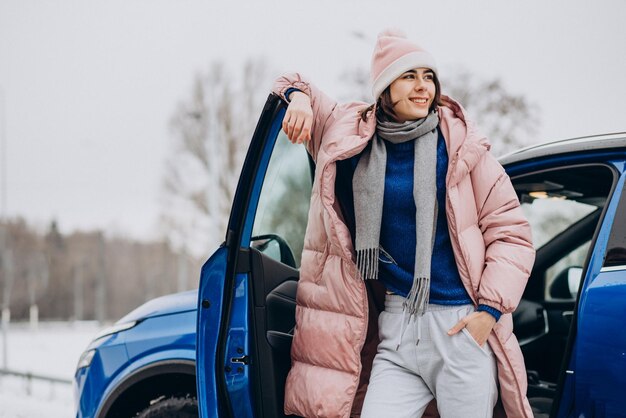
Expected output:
(567, 316)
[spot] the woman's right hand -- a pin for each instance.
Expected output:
(298, 118)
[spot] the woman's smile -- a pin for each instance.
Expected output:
(419, 101)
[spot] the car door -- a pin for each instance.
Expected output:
(594, 380)
(563, 202)
(246, 300)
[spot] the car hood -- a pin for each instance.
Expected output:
(164, 305)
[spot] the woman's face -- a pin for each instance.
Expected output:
(412, 94)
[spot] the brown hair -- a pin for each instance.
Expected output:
(384, 105)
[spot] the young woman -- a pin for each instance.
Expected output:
(406, 193)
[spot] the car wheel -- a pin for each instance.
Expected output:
(171, 408)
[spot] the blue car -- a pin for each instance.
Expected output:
(223, 350)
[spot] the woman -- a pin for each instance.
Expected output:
(405, 192)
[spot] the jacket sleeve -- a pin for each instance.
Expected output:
(323, 106)
(509, 252)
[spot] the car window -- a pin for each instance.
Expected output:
(573, 262)
(548, 217)
(285, 196)
(559, 201)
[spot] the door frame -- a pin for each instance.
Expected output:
(231, 259)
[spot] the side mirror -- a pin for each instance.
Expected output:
(566, 283)
(275, 247)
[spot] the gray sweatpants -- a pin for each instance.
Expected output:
(455, 370)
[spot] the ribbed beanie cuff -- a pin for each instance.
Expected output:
(393, 55)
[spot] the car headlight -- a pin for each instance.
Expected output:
(85, 359)
(87, 356)
(115, 329)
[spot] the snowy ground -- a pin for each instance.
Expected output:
(51, 350)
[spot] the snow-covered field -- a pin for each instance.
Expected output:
(51, 350)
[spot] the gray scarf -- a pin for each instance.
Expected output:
(369, 189)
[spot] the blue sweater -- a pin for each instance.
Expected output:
(398, 230)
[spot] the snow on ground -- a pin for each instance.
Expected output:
(44, 400)
(51, 350)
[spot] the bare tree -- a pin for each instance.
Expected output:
(212, 129)
(37, 275)
(356, 85)
(101, 280)
(61, 299)
(79, 292)
(8, 267)
(8, 277)
(509, 120)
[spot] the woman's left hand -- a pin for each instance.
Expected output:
(479, 325)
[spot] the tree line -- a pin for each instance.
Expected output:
(85, 275)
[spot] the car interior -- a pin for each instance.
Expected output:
(564, 205)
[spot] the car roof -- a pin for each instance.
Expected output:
(584, 143)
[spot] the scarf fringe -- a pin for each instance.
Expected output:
(418, 298)
(367, 263)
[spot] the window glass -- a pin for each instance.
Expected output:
(576, 258)
(285, 196)
(616, 248)
(549, 217)
(555, 201)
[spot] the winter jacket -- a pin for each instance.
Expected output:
(490, 237)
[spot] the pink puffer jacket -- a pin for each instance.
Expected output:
(490, 237)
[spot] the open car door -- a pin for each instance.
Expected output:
(246, 299)
(594, 379)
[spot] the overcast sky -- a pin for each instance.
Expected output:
(89, 86)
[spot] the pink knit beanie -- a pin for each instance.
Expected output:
(393, 55)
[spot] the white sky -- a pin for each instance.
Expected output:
(90, 86)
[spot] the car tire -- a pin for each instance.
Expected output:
(174, 407)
